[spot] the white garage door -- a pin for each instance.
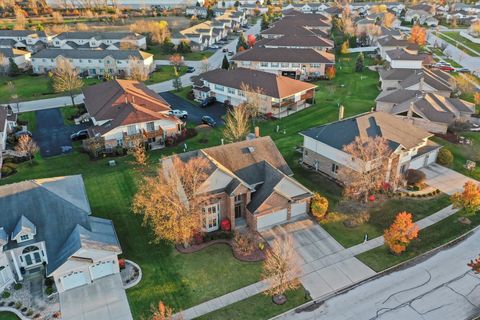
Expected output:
(271, 219)
(299, 209)
(101, 269)
(73, 280)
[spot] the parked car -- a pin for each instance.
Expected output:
(209, 121)
(190, 69)
(225, 50)
(181, 114)
(208, 101)
(231, 53)
(79, 135)
(214, 46)
(463, 70)
(447, 68)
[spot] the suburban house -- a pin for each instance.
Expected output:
(171, 4)
(430, 111)
(249, 183)
(404, 59)
(120, 109)
(99, 40)
(279, 95)
(425, 79)
(389, 43)
(30, 40)
(298, 42)
(299, 64)
(20, 57)
(421, 16)
(92, 62)
(47, 226)
(199, 12)
(410, 145)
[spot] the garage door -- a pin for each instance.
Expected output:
(101, 269)
(299, 209)
(74, 280)
(271, 219)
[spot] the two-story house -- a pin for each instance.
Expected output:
(298, 42)
(121, 108)
(389, 43)
(30, 40)
(99, 40)
(92, 62)
(323, 146)
(21, 58)
(249, 183)
(299, 64)
(404, 59)
(280, 96)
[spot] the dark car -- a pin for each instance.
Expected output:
(80, 135)
(225, 50)
(231, 53)
(190, 69)
(209, 120)
(227, 104)
(208, 101)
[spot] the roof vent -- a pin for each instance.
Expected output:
(251, 149)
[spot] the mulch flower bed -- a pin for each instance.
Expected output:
(449, 136)
(257, 255)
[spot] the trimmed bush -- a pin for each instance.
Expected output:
(414, 177)
(5, 294)
(17, 286)
(319, 206)
(49, 290)
(445, 157)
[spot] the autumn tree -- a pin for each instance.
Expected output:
(242, 42)
(319, 206)
(281, 269)
(171, 202)
(57, 17)
(236, 124)
(205, 65)
(476, 98)
(465, 83)
(156, 31)
(367, 170)
(418, 35)
(330, 72)
(3, 64)
(176, 61)
(26, 145)
(253, 100)
(468, 199)
(360, 63)
(20, 19)
(162, 312)
(65, 78)
(474, 265)
(400, 233)
(251, 40)
(137, 150)
(475, 28)
(137, 70)
(344, 49)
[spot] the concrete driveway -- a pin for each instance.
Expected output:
(195, 113)
(52, 133)
(324, 271)
(444, 179)
(104, 299)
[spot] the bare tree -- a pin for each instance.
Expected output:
(65, 78)
(172, 201)
(205, 66)
(236, 124)
(20, 19)
(94, 145)
(26, 145)
(368, 167)
(12, 90)
(253, 100)
(281, 269)
(57, 17)
(139, 153)
(136, 70)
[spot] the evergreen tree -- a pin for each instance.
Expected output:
(13, 69)
(242, 42)
(360, 63)
(225, 63)
(167, 46)
(184, 47)
(236, 4)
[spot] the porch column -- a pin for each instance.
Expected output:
(231, 208)
(17, 269)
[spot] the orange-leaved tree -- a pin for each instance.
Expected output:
(330, 72)
(474, 265)
(468, 199)
(401, 232)
(319, 206)
(418, 35)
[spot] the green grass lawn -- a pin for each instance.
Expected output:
(437, 51)
(159, 54)
(429, 238)
(8, 316)
(32, 87)
(165, 73)
(453, 63)
(257, 307)
(67, 113)
(30, 118)
(466, 45)
(382, 216)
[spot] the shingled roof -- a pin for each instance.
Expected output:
(285, 55)
(91, 54)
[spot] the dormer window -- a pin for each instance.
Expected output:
(24, 237)
(24, 230)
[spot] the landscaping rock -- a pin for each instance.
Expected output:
(464, 220)
(279, 299)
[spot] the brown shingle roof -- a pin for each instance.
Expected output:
(271, 84)
(299, 41)
(400, 54)
(285, 55)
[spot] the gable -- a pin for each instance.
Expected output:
(218, 180)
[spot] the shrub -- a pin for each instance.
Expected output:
(244, 242)
(319, 206)
(17, 286)
(414, 177)
(18, 305)
(357, 219)
(445, 157)
(29, 312)
(333, 217)
(49, 282)
(49, 290)
(5, 294)
(121, 264)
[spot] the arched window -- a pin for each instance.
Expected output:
(30, 249)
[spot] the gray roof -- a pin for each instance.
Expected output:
(373, 124)
(99, 35)
(56, 207)
(437, 79)
(3, 237)
(7, 42)
(21, 33)
(400, 54)
(285, 55)
(396, 74)
(397, 96)
(25, 225)
(89, 54)
(12, 52)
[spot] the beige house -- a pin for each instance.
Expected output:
(250, 184)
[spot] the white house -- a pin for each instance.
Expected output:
(404, 59)
(410, 145)
(46, 226)
(199, 12)
(99, 40)
(30, 40)
(92, 62)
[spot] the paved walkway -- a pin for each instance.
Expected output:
(445, 179)
(322, 276)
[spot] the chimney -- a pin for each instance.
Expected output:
(341, 111)
(257, 132)
(410, 110)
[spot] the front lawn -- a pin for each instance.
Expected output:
(382, 215)
(453, 63)
(258, 307)
(159, 54)
(429, 238)
(164, 73)
(68, 113)
(30, 118)
(463, 44)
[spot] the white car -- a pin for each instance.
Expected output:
(181, 114)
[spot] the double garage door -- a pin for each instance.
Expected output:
(280, 216)
(79, 278)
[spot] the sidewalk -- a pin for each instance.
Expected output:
(316, 272)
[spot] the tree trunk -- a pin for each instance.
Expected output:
(73, 100)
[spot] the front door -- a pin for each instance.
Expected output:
(211, 215)
(31, 255)
(238, 206)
